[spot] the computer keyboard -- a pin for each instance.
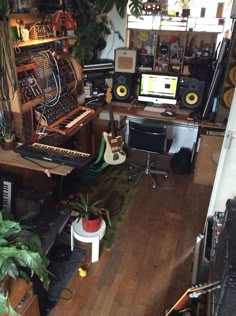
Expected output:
(154, 109)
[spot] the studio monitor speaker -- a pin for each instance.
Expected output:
(125, 60)
(192, 94)
(122, 86)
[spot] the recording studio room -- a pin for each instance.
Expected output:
(117, 146)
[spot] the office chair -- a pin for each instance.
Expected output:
(148, 137)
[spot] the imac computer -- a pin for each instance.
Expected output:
(158, 88)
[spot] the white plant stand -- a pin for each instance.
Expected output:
(80, 234)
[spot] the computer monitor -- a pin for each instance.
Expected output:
(158, 88)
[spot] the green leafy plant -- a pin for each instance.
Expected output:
(7, 134)
(184, 4)
(94, 25)
(21, 256)
(6, 129)
(89, 209)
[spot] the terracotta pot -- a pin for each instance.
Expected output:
(92, 225)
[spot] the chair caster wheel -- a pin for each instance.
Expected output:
(130, 178)
(166, 176)
(154, 186)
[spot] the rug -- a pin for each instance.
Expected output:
(113, 186)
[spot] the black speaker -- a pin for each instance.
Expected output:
(192, 94)
(123, 86)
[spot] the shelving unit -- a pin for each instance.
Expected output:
(166, 44)
(29, 71)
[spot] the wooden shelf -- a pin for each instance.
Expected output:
(43, 41)
(26, 67)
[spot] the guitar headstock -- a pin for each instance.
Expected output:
(109, 95)
(200, 289)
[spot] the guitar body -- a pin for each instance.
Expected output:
(114, 153)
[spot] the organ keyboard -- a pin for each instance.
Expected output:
(6, 193)
(59, 155)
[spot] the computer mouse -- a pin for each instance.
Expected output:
(168, 113)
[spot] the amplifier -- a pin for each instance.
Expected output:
(125, 60)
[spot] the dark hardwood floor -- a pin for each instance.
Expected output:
(149, 265)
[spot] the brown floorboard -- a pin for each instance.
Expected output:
(149, 265)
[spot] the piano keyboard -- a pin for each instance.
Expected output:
(72, 122)
(78, 118)
(6, 196)
(59, 155)
(66, 117)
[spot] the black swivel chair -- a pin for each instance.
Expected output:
(147, 136)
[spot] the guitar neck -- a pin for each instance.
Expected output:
(112, 122)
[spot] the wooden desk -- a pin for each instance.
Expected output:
(138, 111)
(11, 158)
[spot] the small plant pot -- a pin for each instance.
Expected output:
(92, 225)
(185, 13)
(8, 144)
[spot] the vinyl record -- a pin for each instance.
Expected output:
(232, 75)
(192, 98)
(228, 97)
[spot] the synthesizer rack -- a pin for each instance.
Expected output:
(49, 82)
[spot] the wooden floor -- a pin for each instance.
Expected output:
(149, 266)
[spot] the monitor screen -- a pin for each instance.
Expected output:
(158, 88)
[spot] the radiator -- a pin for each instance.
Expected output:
(183, 136)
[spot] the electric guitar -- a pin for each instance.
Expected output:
(114, 153)
(193, 292)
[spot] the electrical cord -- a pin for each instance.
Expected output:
(8, 80)
(53, 101)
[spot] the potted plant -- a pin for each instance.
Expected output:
(185, 5)
(20, 257)
(91, 212)
(7, 136)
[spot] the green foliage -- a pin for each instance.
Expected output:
(184, 4)
(86, 208)
(94, 26)
(21, 256)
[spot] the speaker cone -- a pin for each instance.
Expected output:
(191, 98)
(121, 92)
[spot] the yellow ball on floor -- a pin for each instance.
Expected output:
(82, 272)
